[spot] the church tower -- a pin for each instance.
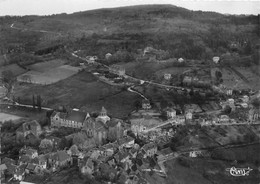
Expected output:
(103, 117)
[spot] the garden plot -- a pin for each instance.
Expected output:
(49, 76)
(7, 117)
(14, 68)
(47, 65)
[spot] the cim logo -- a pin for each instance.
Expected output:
(239, 171)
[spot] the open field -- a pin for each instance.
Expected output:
(144, 70)
(250, 76)
(47, 65)
(230, 79)
(14, 68)
(80, 90)
(6, 117)
(48, 75)
(172, 70)
(22, 112)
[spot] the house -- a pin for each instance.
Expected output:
(86, 166)
(245, 99)
(122, 156)
(188, 115)
(171, 113)
(149, 150)
(143, 124)
(24, 159)
(117, 69)
(30, 152)
(73, 151)
(91, 59)
(55, 141)
(3, 169)
(107, 171)
(231, 102)
(148, 50)
(109, 149)
(146, 104)
(224, 119)
(41, 161)
(31, 127)
(229, 92)
(127, 142)
(180, 60)
(30, 168)
(19, 173)
(133, 152)
(216, 59)
(72, 119)
(187, 80)
(108, 55)
(179, 120)
(253, 114)
(10, 166)
(167, 76)
(195, 153)
(60, 159)
(164, 154)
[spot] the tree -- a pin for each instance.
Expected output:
(74, 150)
(46, 145)
(8, 76)
(39, 102)
(137, 104)
(26, 78)
(227, 109)
(64, 143)
(33, 102)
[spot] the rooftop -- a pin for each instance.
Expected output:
(74, 116)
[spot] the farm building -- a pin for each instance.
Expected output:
(167, 76)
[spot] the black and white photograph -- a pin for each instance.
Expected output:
(129, 92)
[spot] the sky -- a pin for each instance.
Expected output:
(48, 7)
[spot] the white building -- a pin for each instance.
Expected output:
(180, 60)
(167, 76)
(188, 115)
(171, 113)
(216, 59)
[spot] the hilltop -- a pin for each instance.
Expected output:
(196, 34)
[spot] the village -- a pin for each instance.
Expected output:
(111, 149)
(97, 107)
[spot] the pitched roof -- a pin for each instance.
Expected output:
(11, 168)
(113, 122)
(148, 146)
(3, 167)
(30, 151)
(90, 163)
(75, 116)
(31, 166)
(8, 161)
(25, 159)
(61, 156)
(125, 140)
(122, 155)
